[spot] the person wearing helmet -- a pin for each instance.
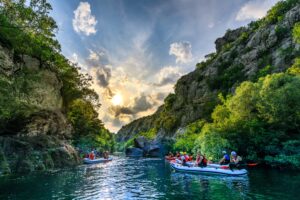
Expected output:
(235, 160)
(186, 156)
(226, 159)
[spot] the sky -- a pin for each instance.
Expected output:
(136, 50)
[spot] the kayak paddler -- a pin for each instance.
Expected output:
(226, 159)
(235, 160)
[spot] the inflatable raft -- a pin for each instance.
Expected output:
(208, 170)
(99, 160)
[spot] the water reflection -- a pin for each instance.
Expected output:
(125, 178)
(207, 186)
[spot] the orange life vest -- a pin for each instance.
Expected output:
(92, 156)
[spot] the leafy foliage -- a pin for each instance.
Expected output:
(259, 120)
(186, 141)
(150, 134)
(296, 32)
(277, 12)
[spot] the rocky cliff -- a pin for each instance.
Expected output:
(34, 132)
(261, 48)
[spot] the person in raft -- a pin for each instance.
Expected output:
(235, 160)
(170, 155)
(201, 161)
(226, 159)
(92, 155)
(177, 154)
(183, 159)
(105, 155)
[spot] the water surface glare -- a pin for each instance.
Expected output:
(127, 178)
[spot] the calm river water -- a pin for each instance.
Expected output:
(126, 178)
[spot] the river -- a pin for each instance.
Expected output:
(127, 178)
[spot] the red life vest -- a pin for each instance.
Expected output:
(204, 160)
(186, 157)
(92, 156)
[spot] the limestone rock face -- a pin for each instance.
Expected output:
(47, 123)
(7, 66)
(28, 154)
(37, 134)
(230, 36)
(140, 142)
(240, 55)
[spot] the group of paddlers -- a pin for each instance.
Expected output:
(93, 154)
(234, 160)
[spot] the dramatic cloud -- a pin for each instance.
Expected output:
(255, 9)
(168, 75)
(161, 96)
(103, 75)
(84, 22)
(140, 103)
(182, 51)
(118, 110)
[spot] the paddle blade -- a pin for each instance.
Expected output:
(252, 164)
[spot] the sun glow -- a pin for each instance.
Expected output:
(117, 100)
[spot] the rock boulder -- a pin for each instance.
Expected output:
(134, 152)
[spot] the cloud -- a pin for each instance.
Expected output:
(84, 22)
(160, 96)
(182, 51)
(118, 110)
(255, 9)
(103, 75)
(94, 56)
(168, 75)
(211, 25)
(140, 103)
(74, 58)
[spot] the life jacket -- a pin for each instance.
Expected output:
(227, 158)
(186, 157)
(191, 158)
(204, 160)
(92, 156)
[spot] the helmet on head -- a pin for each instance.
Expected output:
(224, 152)
(233, 153)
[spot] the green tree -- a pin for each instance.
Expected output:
(296, 32)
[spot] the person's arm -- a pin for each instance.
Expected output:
(222, 160)
(201, 158)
